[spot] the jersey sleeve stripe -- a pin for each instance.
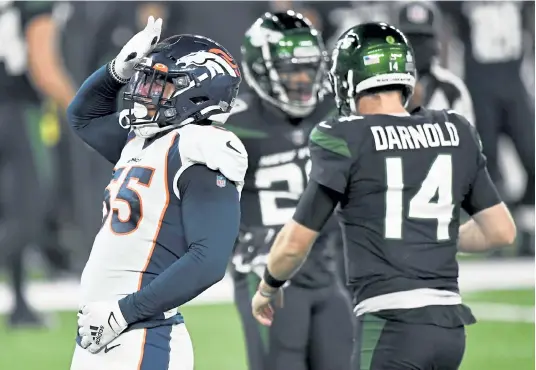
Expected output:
(330, 143)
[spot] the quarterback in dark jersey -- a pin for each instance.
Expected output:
(284, 63)
(400, 181)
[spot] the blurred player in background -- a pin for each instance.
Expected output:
(284, 61)
(436, 87)
(30, 69)
(171, 212)
(400, 181)
(492, 33)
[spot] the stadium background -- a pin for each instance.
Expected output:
(499, 287)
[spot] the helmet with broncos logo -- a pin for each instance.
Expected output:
(369, 58)
(185, 79)
(284, 60)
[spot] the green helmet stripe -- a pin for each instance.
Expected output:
(330, 142)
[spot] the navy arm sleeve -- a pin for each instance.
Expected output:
(482, 193)
(210, 208)
(93, 115)
(316, 205)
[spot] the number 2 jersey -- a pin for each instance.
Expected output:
(278, 168)
(404, 180)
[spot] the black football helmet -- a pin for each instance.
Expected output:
(284, 60)
(185, 79)
(370, 56)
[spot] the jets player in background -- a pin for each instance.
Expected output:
(171, 212)
(283, 61)
(400, 181)
(30, 69)
(436, 87)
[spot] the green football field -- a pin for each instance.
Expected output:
(502, 340)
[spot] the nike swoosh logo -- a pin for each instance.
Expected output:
(108, 349)
(232, 147)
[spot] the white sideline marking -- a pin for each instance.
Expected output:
(474, 276)
(487, 311)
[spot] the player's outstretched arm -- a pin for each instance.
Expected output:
(292, 245)
(93, 115)
(296, 238)
(210, 208)
(491, 223)
(488, 228)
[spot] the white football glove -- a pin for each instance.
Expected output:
(99, 323)
(136, 49)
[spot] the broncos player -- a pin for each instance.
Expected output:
(284, 64)
(400, 181)
(171, 212)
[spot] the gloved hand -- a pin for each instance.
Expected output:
(141, 44)
(99, 323)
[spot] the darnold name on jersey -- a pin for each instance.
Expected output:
(427, 135)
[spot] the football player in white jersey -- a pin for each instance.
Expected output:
(171, 212)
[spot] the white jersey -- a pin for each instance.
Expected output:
(138, 238)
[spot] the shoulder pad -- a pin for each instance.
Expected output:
(338, 125)
(245, 120)
(337, 122)
(333, 134)
(216, 148)
(459, 119)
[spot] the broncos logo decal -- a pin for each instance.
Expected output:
(215, 60)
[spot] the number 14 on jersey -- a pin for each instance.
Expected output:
(438, 181)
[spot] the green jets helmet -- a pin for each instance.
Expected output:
(285, 62)
(368, 57)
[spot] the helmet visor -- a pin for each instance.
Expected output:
(154, 86)
(147, 88)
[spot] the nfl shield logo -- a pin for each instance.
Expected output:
(221, 181)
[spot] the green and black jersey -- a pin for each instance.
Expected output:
(404, 180)
(278, 168)
(15, 17)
